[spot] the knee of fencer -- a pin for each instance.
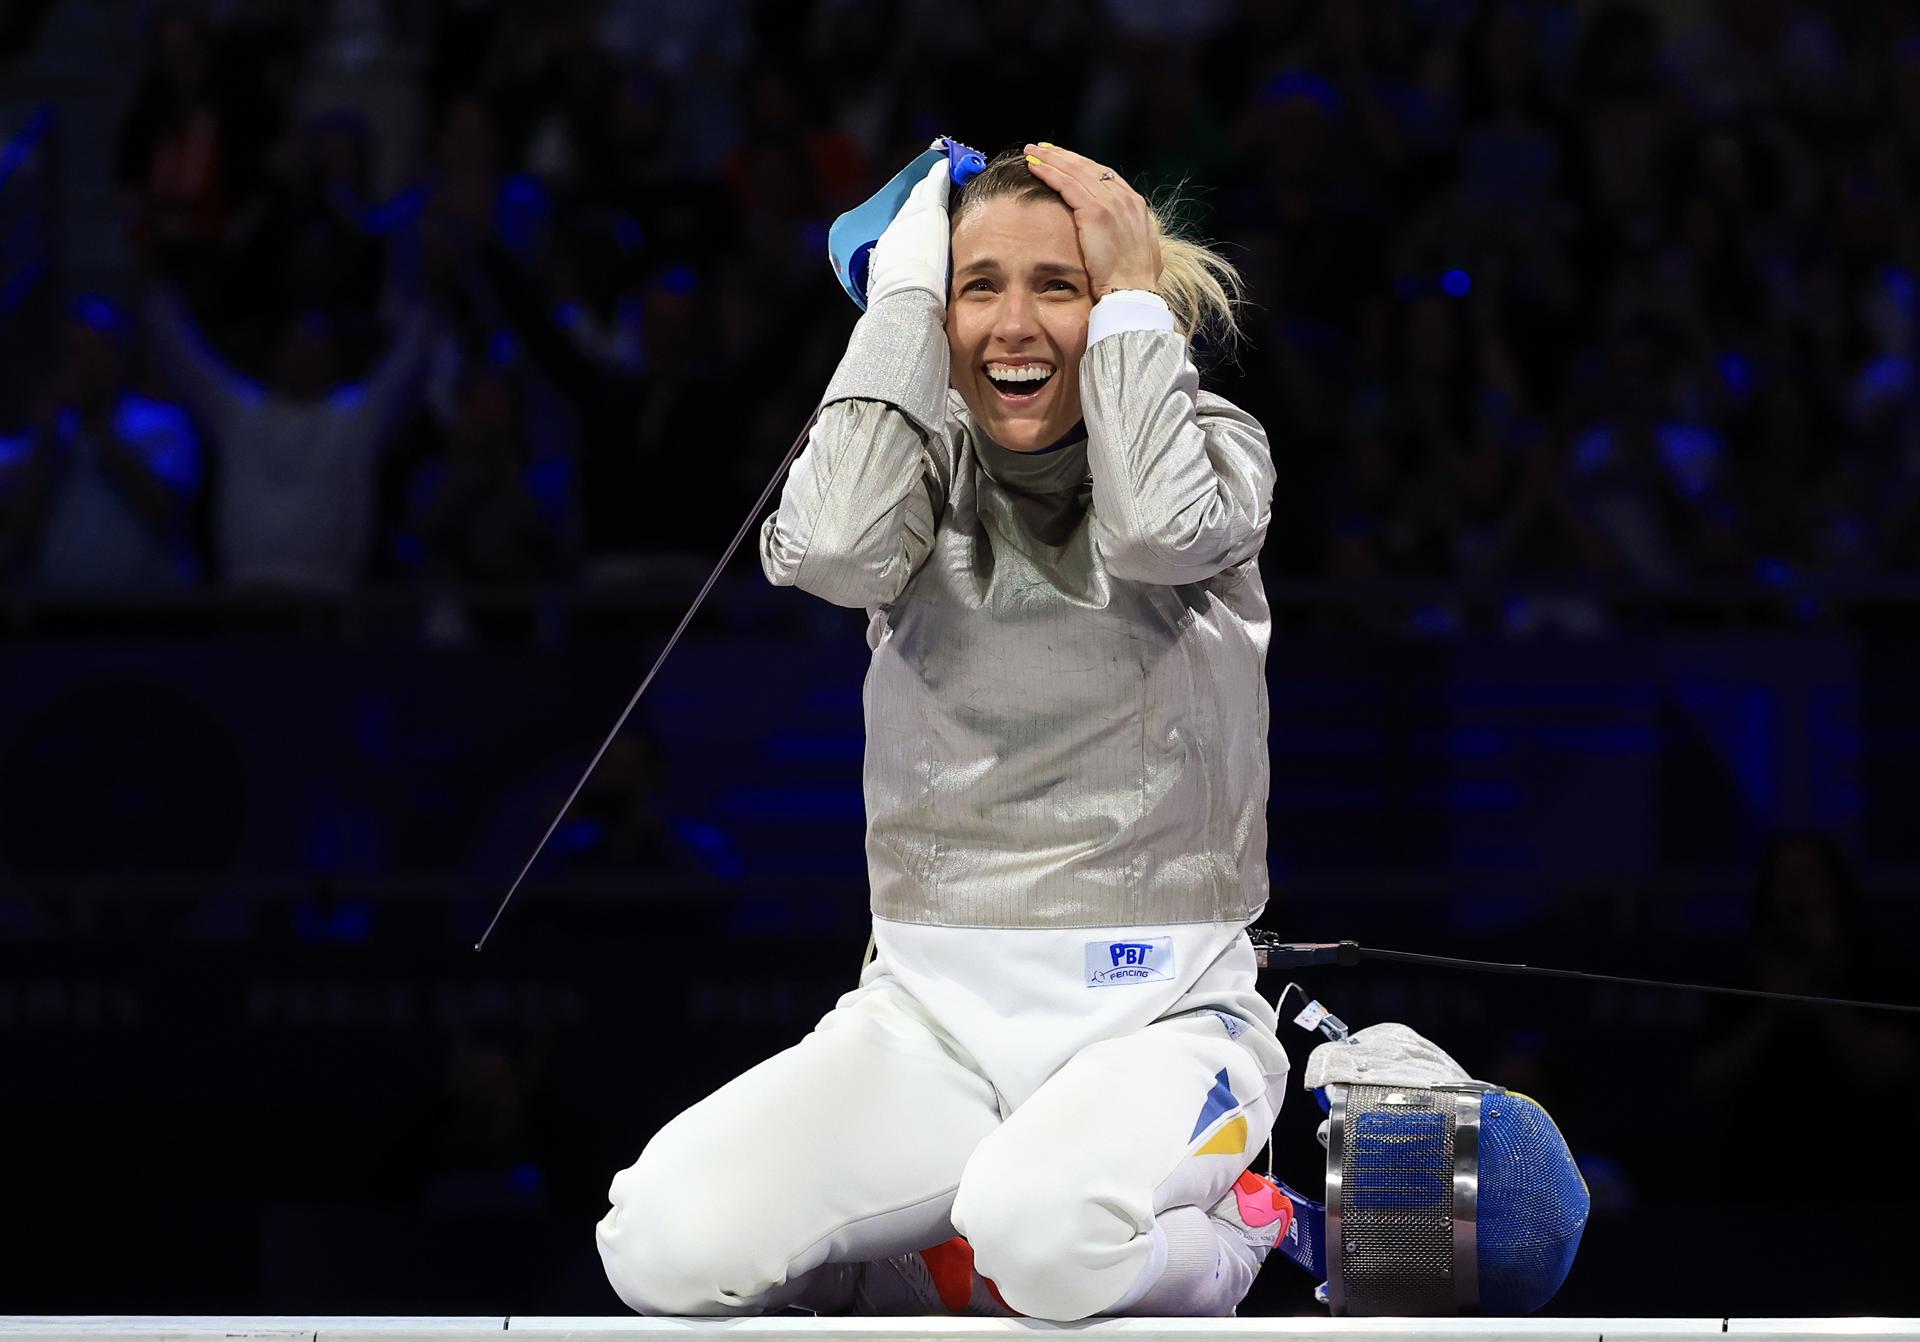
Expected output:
(1045, 1238)
(670, 1246)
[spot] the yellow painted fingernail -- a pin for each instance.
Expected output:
(1032, 159)
(1047, 144)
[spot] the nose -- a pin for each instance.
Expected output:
(1017, 321)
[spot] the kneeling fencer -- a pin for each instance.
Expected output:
(1046, 1092)
(1059, 1051)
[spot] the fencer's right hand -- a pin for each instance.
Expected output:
(1387, 1054)
(912, 252)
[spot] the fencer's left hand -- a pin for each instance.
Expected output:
(1110, 217)
(1387, 1054)
(912, 253)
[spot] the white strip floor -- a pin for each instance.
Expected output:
(799, 1328)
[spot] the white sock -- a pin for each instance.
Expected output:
(1204, 1269)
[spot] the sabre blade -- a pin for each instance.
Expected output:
(753, 515)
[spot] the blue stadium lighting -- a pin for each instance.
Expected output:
(1457, 283)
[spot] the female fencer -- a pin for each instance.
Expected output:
(1045, 1094)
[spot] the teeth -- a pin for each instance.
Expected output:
(1033, 372)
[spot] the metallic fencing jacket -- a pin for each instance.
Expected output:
(1066, 710)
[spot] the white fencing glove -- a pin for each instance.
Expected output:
(912, 252)
(1382, 1055)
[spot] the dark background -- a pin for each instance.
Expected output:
(1584, 334)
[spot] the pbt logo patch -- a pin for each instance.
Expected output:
(1110, 963)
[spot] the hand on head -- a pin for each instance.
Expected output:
(1116, 231)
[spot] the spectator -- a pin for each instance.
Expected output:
(637, 403)
(1758, 56)
(1626, 117)
(190, 154)
(624, 821)
(1810, 934)
(99, 495)
(478, 512)
(660, 179)
(1648, 475)
(297, 457)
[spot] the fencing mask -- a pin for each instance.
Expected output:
(850, 240)
(1445, 1195)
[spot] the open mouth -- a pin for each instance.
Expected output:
(1019, 385)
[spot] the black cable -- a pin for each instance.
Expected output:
(1297, 954)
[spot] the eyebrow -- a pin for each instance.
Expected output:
(988, 263)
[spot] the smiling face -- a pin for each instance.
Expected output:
(1017, 319)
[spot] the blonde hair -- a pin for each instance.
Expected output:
(1202, 287)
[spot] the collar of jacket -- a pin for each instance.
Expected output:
(1059, 469)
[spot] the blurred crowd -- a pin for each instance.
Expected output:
(472, 294)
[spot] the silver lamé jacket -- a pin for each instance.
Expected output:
(1066, 709)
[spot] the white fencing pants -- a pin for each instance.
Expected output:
(876, 1136)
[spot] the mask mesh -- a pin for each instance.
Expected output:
(1533, 1206)
(1396, 1220)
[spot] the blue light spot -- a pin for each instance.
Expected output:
(347, 923)
(99, 314)
(524, 189)
(502, 349)
(1457, 283)
(581, 835)
(20, 148)
(1289, 85)
(402, 209)
(347, 397)
(1736, 371)
(1899, 286)
(23, 282)
(551, 482)
(527, 1178)
(680, 281)
(713, 844)
(1439, 620)
(521, 208)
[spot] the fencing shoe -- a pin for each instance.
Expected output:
(1257, 1212)
(939, 1280)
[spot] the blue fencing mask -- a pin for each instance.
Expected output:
(851, 239)
(1445, 1197)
